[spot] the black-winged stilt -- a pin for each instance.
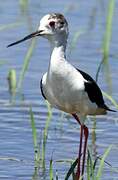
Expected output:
(64, 86)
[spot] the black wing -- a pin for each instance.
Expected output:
(41, 87)
(93, 91)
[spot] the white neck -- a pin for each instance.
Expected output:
(58, 53)
(58, 48)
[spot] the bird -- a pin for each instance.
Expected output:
(64, 86)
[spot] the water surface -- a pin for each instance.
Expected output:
(63, 138)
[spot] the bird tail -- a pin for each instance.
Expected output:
(107, 108)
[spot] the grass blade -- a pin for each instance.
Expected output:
(12, 81)
(51, 170)
(10, 26)
(107, 40)
(34, 134)
(106, 43)
(26, 63)
(45, 133)
(99, 173)
(89, 166)
(74, 40)
(107, 36)
(24, 5)
(71, 170)
(111, 99)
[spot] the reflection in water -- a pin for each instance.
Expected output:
(36, 175)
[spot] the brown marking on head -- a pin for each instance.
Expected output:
(59, 17)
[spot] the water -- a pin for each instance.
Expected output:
(16, 150)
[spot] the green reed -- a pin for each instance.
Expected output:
(74, 40)
(101, 166)
(111, 99)
(45, 133)
(51, 170)
(106, 44)
(26, 63)
(90, 169)
(93, 172)
(12, 84)
(12, 81)
(71, 170)
(24, 5)
(10, 26)
(37, 149)
(36, 145)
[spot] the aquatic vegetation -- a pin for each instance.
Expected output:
(110, 98)
(10, 26)
(38, 158)
(45, 133)
(26, 63)
(94, 171)
(106, 44)
(71, 170)
(74, 41)
(36, 145)
(12, 81)
(51, 170)
(95, 165)
(24, 5)
(100, 169)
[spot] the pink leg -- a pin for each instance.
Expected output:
(80, 153)
(84, 130)
(86, 133)
(80, 147)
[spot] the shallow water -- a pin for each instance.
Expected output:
(16, 150)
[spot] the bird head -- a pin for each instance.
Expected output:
(53, 27)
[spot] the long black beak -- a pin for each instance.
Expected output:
(34, 34)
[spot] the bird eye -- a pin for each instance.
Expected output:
(52, 23)
(62, 23)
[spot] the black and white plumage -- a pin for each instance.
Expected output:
(65, 87)
(94, 92)
(90, 89)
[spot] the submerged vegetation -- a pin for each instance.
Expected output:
(95, 164)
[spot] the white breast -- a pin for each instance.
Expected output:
(64, 88)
